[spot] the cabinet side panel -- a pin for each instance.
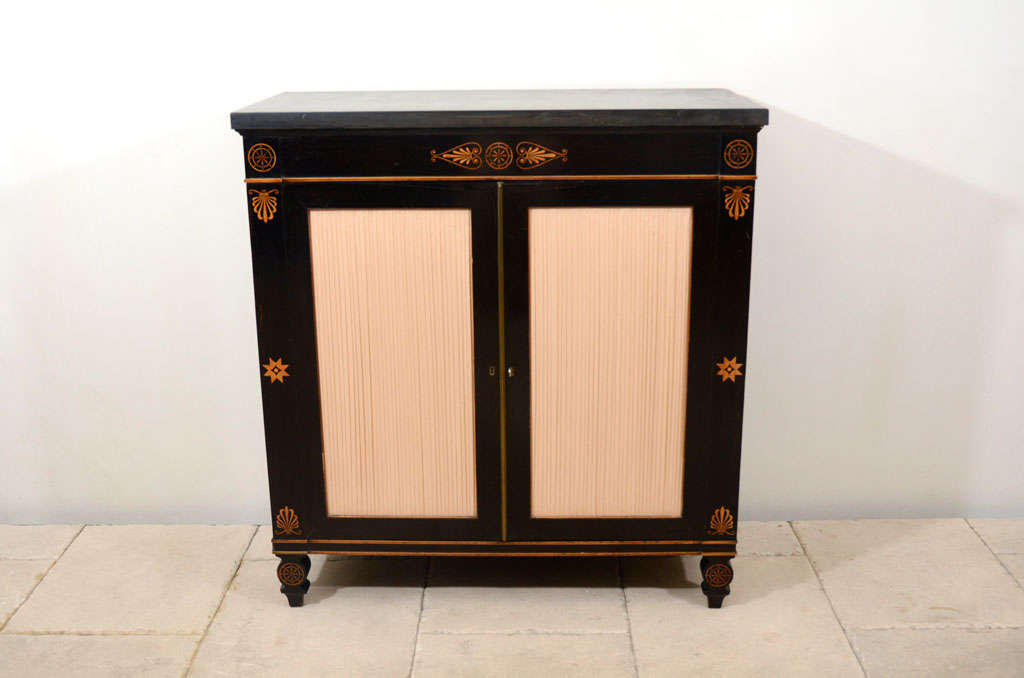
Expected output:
(609, 320)
(393, 292)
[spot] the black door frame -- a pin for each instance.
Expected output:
(702, 197)
(286, 329)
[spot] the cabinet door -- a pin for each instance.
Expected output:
(382, 300)
(608, 286)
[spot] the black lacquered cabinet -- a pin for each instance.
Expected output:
(502, 323)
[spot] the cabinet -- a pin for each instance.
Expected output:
(502, 323)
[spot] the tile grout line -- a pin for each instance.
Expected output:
(107, 634)
(942, 627)
(419, 619)
(33, 589)
(994, 554)
(831, 605)
(629, 621)
(526, 632)
(7, 559)
(220, 603)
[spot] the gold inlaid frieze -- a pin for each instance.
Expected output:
(498, 155)
(528, 155)
(531, 155)
(465, 155)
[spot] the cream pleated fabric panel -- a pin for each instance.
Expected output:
(609, 320)
(394, 327)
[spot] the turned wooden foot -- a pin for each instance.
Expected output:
(292, 573)
(717, 574)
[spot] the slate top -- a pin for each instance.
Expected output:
(502, 108)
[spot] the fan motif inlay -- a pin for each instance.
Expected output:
(287, 521)
(721, 522)
(737, 200)
(264, 203)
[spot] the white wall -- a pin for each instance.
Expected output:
(885, 376)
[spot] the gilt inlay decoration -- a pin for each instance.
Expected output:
(291, 574)
(718, 575)
(264, 203)
(498, 155)
(261, 157)
(721, 523)
(465, 155)
(530, 155)
(729, 369)
(471, 155)
(738, 153)
(287, 521)
(276, 370)
(737, 200)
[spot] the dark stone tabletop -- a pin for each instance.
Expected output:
(502, 108)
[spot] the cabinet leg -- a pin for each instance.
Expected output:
(292, 573)
(717, 573)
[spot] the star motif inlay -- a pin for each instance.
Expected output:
(276, 370)
(729, 369)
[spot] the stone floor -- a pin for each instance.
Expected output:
(820, 598)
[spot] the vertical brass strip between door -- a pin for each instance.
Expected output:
(501, 363)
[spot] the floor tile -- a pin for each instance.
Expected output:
(767, 539)
(359, 619)
(1003, 535)
(776, 622)
(136, 579)
(898, 573)
(1014, 562)
(96, 656)
(489, 595)
(17, 579)
(35, 541)
(927, 653)
(499, 656)
(261, 547)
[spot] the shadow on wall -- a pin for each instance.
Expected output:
(131, 380)
(131, 377)
(872, 277)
